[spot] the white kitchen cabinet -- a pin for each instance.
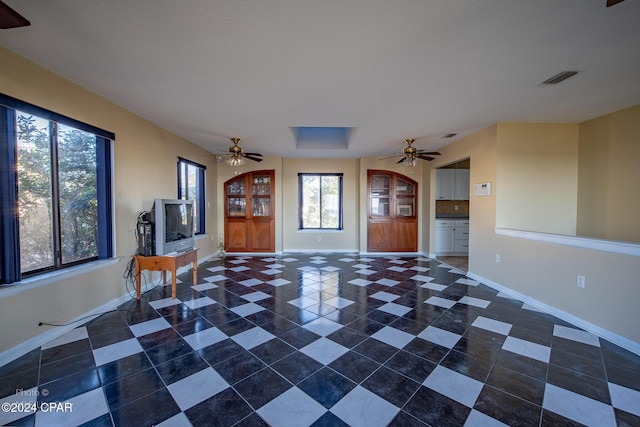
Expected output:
(461, 184)
(452, 236)
(452, 184)
(445, 184)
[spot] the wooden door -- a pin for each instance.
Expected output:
(249, 216)
(392, 212)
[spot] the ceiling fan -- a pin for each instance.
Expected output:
(9, 18)
(410, 154)
(238, 155)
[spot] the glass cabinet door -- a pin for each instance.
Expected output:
(237, 206)
(261, 206)
(261, 185)
(380, 195)
(405, 196)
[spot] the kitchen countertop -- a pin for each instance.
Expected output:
(452, 216)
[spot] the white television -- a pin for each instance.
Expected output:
(173, 226)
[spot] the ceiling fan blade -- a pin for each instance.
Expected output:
(9, 18)
(390, 157)
(254, 154)
(428, 153)
(401, 160)
(613, 2)
(423, 157)
(247, 156)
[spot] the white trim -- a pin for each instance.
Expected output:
(321, 251)
(613, 246)
(55, 276)
(391, 253)
(619, 340)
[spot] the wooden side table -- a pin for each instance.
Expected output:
(166, 263)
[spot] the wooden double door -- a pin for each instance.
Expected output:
(392, 224)
(249, 212)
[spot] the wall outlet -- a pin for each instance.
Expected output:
(580, 281)
(497, 257)
(455, 207)
(319, 239)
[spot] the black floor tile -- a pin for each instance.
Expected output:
(135, 386)
(326, 386)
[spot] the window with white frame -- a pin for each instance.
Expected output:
(320, 201)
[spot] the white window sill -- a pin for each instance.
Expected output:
(54, 276)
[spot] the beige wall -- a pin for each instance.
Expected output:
(543, 271)
(538, 174)
(609, 176)
(145, 167)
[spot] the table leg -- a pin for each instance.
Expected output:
(173, 282)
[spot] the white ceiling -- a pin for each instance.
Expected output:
(209, 70)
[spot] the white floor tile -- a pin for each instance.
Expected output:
(322, 326)
(478, 419)
(362, 408)
(324, 350)
(440, 336)
(216, 278)
(239, 268)
(395, 309)
(276, 266)
(205, 338)
(271, 271)
(197, 388)
(421, 278)
(204, 286)
(293, 408)
(199, 302)
(250, 282)
(360, 282)
(303, 302)
(360, 266)
(397, 268)
(278, 282)
(454, 385)
(366, 272)
(441, 302)
(149, 327)
(252, 338)
(166, 302)
(178, 420)
(476, 302)
(217, 268)
(256, 296)
(387, 282)
(434, 286)
(247, 309)
(80, 409)
(73, 335)
(385, 296)
(419, 268)
(492, 325)
(527, 348)
(393, 337)
(29, 396)
(116, 351)
(578, 407)
(625, 398)
(339, 302)
(576, 335)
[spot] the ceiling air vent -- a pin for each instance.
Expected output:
(449, 135)
(560, 77)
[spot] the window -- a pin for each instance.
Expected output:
(320, 201)
(191, 187)
(56, 177)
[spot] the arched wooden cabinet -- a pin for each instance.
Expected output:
(249, 212)
(392, 212)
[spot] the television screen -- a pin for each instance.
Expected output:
(178, 221)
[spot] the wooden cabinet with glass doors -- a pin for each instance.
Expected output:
(249, 217)
(392, 212)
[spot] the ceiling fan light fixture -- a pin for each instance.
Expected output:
(409, 161)
(235, 161)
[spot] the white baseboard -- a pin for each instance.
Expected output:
(619, 340)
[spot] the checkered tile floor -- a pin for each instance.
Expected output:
(305, 340)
